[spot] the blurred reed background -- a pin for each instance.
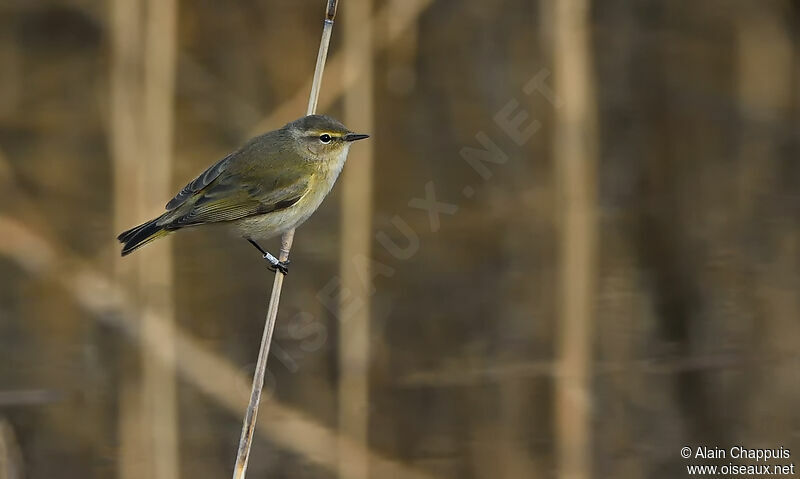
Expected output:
(574, 293)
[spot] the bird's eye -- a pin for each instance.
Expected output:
(326, 138)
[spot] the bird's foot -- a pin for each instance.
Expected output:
(282, 266)
(276, 265)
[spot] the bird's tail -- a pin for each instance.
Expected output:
(141, 235)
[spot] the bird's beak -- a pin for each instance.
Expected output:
(354, 137)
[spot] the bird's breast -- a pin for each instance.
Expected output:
(277, 222)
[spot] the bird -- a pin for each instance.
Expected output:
(270, 185)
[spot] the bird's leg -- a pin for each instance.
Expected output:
(274, 263)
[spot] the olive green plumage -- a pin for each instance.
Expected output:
(270, 185)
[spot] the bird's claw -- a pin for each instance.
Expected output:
(282, 266)
(275, 265)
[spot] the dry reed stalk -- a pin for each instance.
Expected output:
(126, 92)
(575, 155)
(142, 92)
(11, 463)
(249, 424)
(158, 392)
(356, 227)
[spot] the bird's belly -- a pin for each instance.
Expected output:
(264, 226)
(277, 222)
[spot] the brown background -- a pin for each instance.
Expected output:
(624, 285)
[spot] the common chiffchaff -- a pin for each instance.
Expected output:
(267, 187)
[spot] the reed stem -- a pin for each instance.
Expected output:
(249, 424)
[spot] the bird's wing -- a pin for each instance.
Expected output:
(199, 183)
(235, 194)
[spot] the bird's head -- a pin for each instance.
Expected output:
(322, 136)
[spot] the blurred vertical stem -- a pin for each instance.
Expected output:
(356, 230)
(249, 423)
(142, 97)
(159, 389)
(767, 60)
(575, 155)
(125, 93)
(11, 464)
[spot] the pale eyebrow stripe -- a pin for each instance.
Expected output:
(317, 134)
